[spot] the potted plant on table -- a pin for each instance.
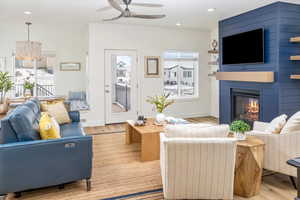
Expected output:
(5, 85)
(160, 102)
(239, 128)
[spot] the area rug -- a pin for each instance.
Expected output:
(149, 195)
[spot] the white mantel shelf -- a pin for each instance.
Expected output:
(259, 77)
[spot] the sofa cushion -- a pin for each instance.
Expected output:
(276, 125)
(25, 123)
(7, 133)
(196, 131)
(58, 111)
(71, 130)
(33, 105)
(292, 125)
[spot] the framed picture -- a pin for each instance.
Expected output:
(70, 66)
(152, 66)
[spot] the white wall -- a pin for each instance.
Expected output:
(148, 41)
(214, 94)
(70, 42)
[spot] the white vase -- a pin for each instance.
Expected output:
(160, 118)
(240, 135)
(27, 93)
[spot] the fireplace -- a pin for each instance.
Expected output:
(245, 105)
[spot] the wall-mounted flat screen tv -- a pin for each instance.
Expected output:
(247, 47)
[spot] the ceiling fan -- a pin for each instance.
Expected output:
(128, 14)
(121, 2)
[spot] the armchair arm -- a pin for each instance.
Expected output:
(74, 116)
(260, 126)
(42, 163)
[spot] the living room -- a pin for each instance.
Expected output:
(153, 99)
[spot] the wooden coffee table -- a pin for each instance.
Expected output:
(248, 167)
(148, 136)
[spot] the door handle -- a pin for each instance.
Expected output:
(107, 91)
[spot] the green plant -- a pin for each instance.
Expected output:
(5, 85)
(28, 85)
(161, 102)
(239, 126)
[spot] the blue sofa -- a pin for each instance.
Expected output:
(27, 162)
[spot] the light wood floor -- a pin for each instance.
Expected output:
(118, 171)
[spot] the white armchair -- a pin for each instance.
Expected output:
(197, 168)
(278, 148)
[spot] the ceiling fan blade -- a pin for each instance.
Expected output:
(115, 5)
(112, 19)
(147, 16)
(104, 9)
(147, 5)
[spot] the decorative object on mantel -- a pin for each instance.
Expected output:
(152, 66)
(239, 128)
(70, 66)
(5, 85)
(255, 76)
(28, 50)
(160, 103)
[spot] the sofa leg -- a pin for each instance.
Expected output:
(62, 186)
(88, 185)
(2, 196)
(293, 182)
(18, 194)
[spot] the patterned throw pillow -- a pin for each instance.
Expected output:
(49, 128)
(276, 124)
(58, 111)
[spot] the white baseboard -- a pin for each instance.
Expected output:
(92, 123)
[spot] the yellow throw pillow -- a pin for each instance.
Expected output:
(58, 111)
(48, 127)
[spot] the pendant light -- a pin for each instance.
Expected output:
(28, 50)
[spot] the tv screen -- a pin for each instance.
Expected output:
(245, 47)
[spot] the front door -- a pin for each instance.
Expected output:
(120, 85)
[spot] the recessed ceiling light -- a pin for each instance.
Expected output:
(211, 9)
(178, 24)
(27, 13)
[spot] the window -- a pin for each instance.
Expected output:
(182, 79)
(42, 77)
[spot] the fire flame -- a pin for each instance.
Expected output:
(253, 106)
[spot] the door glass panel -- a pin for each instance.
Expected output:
(121, 83)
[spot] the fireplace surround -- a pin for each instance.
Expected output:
(279, 96)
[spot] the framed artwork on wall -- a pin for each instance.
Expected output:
(152, 66)
(70, 66)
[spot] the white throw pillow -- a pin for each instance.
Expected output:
(196, 131)
(293, 124)
(276, 124)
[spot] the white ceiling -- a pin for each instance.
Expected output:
(190, 13)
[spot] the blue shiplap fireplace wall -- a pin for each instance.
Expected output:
(281, 21)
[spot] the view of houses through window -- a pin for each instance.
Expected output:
(180, 73)
(40, 79)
